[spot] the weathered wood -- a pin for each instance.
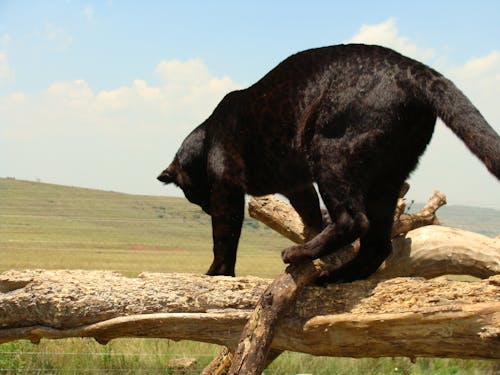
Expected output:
(428, 252)
(379, 330)
(281, 217)
(255, 342)
(220, 364)
(426, 216)
(401, 316)
(258, 334)
(127, 317)
(436, 250)
(71, 298)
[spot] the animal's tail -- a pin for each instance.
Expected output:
(460, 115)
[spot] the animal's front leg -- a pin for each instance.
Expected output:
(348, 222)
(335, 235)
(227, 210)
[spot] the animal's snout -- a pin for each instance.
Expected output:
(162, 177)
(169, 175)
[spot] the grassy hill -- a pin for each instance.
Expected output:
(51, 226)
(476, 219)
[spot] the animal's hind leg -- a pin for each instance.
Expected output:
(348, 222)
(376, 243)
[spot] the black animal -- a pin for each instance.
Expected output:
(352, 118)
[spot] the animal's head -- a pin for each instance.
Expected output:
(188, 170)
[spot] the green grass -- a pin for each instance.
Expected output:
(50, 226)
(150, 356)
(85, 356)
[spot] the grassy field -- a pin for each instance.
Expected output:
(51, 226)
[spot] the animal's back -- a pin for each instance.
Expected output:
(321, 85)
(330, 78)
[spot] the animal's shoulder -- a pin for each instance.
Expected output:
(318, 65)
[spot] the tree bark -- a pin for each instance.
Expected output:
(436, 250)
(363, 322)
(430, 251)
(259, 332)
(398, 317)
(256, 339)
(281, 217)
(427, 216)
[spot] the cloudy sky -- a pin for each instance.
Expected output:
(101, 93)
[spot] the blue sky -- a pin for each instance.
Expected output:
(101, 93)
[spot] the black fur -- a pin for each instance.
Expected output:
(352, 118)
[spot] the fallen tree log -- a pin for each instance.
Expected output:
(436, 250)
(281, 217)
(429, 251)
(297, 331)
(398, 317)
(255, 343)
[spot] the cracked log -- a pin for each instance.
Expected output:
(256, 339)
(436, 250)
(398, 317)
(428, 250)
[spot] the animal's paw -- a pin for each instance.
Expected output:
(295, 254)
(220, 270)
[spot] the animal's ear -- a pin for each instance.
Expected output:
(169, 175)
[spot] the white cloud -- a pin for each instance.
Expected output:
(479, 78)
(188, 95)
(123, 136)
(387, 34)
(88, 12)
(5, 71)
(131, 130)
(479, 66)
(57, 35)
(5, 40)
(176, 72)
(448, 165)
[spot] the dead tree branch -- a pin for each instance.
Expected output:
(437, 317)
(255, 343)
(402, 316)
